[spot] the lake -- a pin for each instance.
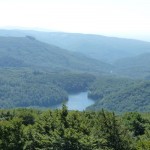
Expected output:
(77, 101)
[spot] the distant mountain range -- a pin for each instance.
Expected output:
(74, 51)
(106, 49)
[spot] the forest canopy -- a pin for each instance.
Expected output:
(25, 129)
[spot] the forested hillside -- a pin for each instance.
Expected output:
(135, 67)
(24, 88)
(120, 95)
(25, 129)
(29, 52)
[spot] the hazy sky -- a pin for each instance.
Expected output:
(108, 17)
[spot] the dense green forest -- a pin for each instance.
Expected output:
(28, 129)
(120, 94)
(27, 87)
(24, 88)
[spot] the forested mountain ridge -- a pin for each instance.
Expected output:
(32, 53)
(107, 49)
(118, 52)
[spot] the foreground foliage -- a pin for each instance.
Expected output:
(28, 129)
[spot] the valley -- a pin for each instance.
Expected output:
(41, 69)
(68, 91)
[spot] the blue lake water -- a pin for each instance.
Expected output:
(77, 101)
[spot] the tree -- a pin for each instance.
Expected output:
(115, 136)
(135, 123)
(11, 135)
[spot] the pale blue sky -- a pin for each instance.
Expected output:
(129, 18)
